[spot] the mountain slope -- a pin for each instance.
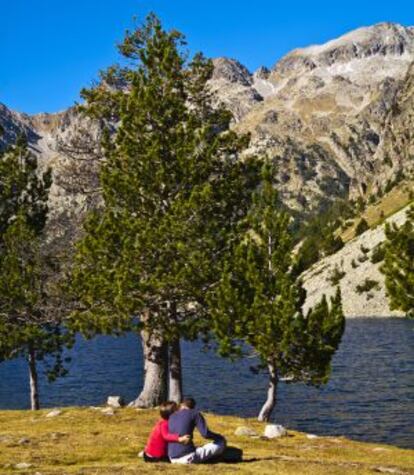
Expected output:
(352, 268)
(326, 114)
(336, 119)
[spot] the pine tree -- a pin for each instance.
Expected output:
(29, 318)
(259, 303)
(174, 191)
(398, 266)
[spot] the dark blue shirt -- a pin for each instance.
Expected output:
(183, 422)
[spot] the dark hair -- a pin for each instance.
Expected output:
(189, 402)
(167, 408)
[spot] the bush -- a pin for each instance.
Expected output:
(361, 227)
(378, 254)
(336, 276)
(367, 285)
(363, 258)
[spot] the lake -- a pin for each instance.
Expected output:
(370, 395)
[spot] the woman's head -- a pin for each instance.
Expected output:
(167, 408)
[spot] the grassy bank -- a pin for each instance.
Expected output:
(375, 214)
(86, 441)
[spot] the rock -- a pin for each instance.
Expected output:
(57, 435)
(115, 401)
(54, 413)
(388, 470)
(108, 411)
(311, 436)
(245, 432)
(272, 431)
(23, 466)
(24, 441)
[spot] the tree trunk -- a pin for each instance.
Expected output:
(155, 353)
(269, 405)
(34, 389)
(175, 372)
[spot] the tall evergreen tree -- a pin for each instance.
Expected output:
(398, 266)
(174, 191)
(30, 324)
(259, 303)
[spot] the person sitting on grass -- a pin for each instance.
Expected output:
(184, 421)
(156, 448)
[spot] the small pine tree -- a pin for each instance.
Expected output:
(259, 301)
(30, 323)
(398, 266)
(362, 226)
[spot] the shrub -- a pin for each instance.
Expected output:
(362, 226)
(336, 276)
(367, 285)
(378, 254)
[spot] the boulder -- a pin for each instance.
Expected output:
(24, 441)
(23, 466)
(272, 431)
(115, 401)
(54, 413)
(245, 431)
(108, 411)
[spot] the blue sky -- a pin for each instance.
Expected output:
(50, 49)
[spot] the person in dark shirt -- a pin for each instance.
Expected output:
(184, 421)
(156, 448)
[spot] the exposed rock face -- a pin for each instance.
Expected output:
(233, 85)
(325, 117)
(12, 124)
(354, 261)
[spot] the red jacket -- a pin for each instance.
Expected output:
(158, 440)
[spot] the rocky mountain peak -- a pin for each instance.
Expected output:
(12, 124)
(383, 39)
(232, 71)
(261, 73)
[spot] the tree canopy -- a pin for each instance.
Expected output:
(259, 301)
(398, 266)
(30, 317)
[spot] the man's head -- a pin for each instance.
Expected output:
(167, 408)
(188, 402)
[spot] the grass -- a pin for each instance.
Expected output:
(375, 214)
(85, 441)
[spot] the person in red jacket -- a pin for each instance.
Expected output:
(156, 448)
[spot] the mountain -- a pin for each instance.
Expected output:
(336, 119)
(327, 114)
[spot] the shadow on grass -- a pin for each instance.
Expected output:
(230, 455)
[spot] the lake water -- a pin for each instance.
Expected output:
(370, 395)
